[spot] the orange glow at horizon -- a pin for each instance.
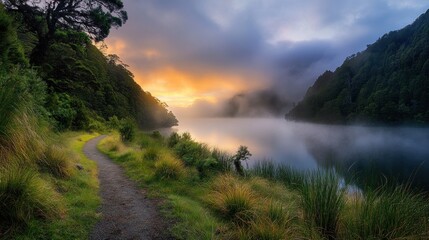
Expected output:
(176, 87)
(180, 89)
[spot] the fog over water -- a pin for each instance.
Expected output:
(393, 152)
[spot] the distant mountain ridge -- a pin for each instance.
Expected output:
(386, 83)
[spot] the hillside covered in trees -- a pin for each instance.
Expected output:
(386, 83)
(84, 87)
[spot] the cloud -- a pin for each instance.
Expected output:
(260, 103)
(185, 51)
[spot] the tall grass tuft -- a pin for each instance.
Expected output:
(390, 214)
(290, 177)
(152, 154)
(23, 196)
(233, 200)
(9, 104)
(280, 173)
(278, 213)
(21, 100)
(114, 144)
(265, 169)
(224, 159)
(58, 161)
(236, 204)
(169, 168)
(263, 229)
(322, 200)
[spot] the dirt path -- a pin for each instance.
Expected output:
(126, 211)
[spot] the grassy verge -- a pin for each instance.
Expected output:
(209, 200)
(78, 194)
(205, 199)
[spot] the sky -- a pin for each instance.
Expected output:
(207, 57)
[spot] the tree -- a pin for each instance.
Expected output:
(45, 17)
(242, 155)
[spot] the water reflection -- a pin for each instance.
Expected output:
(393, 153)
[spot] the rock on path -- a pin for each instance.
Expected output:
(126, 211)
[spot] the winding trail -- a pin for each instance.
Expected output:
(126, 211)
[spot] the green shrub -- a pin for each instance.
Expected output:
(96, 124)
(157, 136)
(145, 141)
(390, 214)
(191, 152)
(169, 168)
(114, 123)
(57, 161)
(62, 111)
(322, 200)
(128, 130)
(24, 196)
(11, 51)
(186, 136)
(173, 139)
(206, 166)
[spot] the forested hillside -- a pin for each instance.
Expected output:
(84, 87)
(386, 83)
(83, 82)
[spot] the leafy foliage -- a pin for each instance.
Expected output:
(11, 51)
(388, 82)
(45, 18)
(96, 85)
(127, 130)
(85, 88)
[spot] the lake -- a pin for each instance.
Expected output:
(398, 153)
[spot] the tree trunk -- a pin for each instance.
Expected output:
(38, 54)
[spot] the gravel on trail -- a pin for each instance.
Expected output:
(126, 212)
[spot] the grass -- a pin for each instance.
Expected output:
(224, 159)
(152, 154)
(78, 195)
(58, 161)
(322, 200)
(25, 196)
(265, 229)
(169, 168)
(390, 214)
(196, 222)
(290, 177)
(236, 203)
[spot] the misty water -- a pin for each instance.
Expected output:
(358, 153)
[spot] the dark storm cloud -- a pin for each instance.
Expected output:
(279, 44)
